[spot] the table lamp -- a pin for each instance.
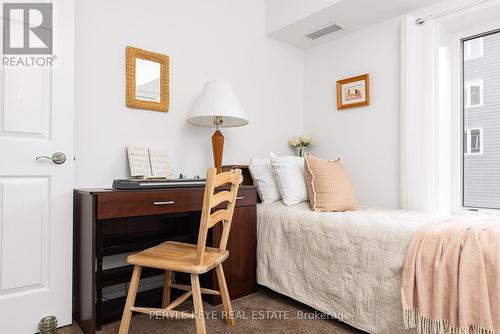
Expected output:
(217, 106)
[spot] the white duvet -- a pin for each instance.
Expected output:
(345, 264)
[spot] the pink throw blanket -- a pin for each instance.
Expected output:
(451, 277)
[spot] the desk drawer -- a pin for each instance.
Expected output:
(246, 197)
(135, 203)
(143, 203)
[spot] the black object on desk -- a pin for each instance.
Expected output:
(157, 183)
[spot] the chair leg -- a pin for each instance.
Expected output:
(225, 295)
(198, 305)
(132, 292)
(166, 289)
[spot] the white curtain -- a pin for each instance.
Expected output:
(425, 118)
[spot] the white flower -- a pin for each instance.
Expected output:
(299, 141)
(294, 142)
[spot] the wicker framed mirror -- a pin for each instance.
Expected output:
(147, 80)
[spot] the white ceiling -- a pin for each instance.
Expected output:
(351, 15)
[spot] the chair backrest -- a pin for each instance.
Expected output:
(210, 217)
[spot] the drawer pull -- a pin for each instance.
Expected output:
(164, 203)
(240, 197)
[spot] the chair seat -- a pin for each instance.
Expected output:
(178, 256)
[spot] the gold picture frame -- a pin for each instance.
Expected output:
(358, 88)
(132, 101)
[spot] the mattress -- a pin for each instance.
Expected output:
(345, 264)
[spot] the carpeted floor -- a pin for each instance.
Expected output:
(263, 312)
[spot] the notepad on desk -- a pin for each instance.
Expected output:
(148, 163)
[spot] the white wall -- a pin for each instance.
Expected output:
(206, 40)
(367, 138)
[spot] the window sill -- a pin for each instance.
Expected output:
(476, 211)
(474, 58)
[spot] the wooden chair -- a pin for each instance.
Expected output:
(187, 258)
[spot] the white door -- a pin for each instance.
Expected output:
(36, 119)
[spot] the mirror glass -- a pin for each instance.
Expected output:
(147, 80)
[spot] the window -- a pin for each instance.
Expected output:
(473, 48)
(473, 93)
(481, 122)
(473, 141)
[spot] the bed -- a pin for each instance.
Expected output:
(345, 264)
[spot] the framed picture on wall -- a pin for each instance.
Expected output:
(353, 92)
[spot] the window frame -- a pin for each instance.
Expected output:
(467, 50)
(468, 150)
(467, 96)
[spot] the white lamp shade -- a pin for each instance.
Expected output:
(217, 99)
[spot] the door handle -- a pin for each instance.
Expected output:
(58, 158)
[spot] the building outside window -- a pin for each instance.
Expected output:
(481, 121)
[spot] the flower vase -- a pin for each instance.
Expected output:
(301, 151)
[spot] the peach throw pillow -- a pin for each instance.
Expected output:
(329, 186)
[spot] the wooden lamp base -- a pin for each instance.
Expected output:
(218, 147)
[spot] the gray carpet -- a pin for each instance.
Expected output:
(271, 313)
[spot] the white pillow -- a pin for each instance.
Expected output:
(289, 175)
(262, 174)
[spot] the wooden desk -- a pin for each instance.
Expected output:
(109, 222)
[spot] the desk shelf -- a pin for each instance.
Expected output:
(113, 309)
(123, 275)
(120, 248)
